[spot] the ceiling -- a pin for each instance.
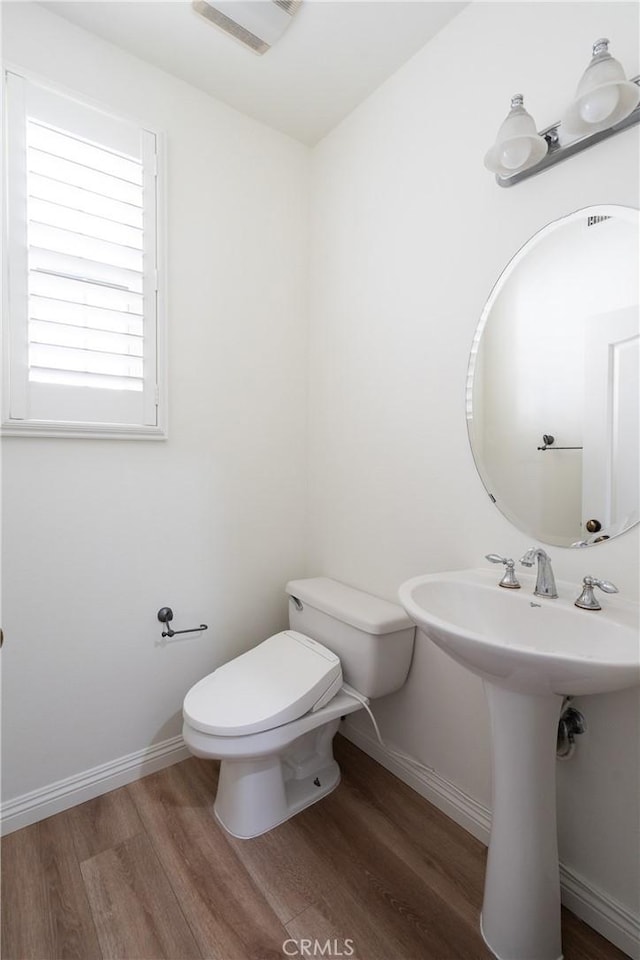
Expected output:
(333, 55)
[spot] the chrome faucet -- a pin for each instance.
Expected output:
(545, 582)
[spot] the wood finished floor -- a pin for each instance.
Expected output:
(146, 873)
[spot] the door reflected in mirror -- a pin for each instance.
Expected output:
(553, 392)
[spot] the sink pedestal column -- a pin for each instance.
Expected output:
(521, 908)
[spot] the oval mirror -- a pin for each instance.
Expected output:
(553, 391)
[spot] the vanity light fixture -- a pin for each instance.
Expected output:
(604, 95)
(605, 103)
(518, 145)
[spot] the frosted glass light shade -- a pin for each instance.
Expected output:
(604, 96)
(518, 144)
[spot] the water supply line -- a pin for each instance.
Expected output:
(571, 725)
(409, 761)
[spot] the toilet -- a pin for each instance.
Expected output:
(270, 715)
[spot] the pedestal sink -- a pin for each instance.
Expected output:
(531, 652)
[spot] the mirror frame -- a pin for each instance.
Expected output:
(631, 215)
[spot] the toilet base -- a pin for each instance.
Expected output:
(299, 794)
(255, 795)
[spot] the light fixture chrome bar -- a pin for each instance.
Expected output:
(557, 153)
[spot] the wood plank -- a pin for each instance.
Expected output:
(438, 838)
(291, 876)
(134, 908)
(581, 942)
(414, 905)
(230, 917)
(103, 823)
(45, 912)
(341, 918)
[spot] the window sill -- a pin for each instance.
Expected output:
(81, 431)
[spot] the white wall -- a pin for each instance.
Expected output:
(99, 534)
(409, 233)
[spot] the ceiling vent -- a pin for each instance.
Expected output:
(255, 23)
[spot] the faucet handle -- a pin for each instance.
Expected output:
(509, 579)
(605, 585)
(587, 599)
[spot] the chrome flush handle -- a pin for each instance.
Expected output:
(509, 579)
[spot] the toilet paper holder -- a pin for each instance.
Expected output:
(165, 615)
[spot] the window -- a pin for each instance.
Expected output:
(83, 338)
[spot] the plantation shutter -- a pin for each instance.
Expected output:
(83, 262)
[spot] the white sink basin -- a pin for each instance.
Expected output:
(524, 642)
(531, 651)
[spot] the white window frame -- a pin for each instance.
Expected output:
(16, 418)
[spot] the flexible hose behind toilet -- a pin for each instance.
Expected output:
(410, 761)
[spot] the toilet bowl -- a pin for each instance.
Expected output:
(270, 715)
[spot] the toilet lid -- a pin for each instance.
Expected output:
(280, 680)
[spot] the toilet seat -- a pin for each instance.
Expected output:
(283, 678)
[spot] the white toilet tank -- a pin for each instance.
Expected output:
(372, 637)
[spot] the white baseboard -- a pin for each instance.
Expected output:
(610, 918)
(44, 802)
